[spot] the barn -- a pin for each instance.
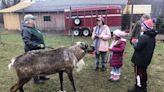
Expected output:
(49, 13)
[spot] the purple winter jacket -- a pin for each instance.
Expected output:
(118, 50)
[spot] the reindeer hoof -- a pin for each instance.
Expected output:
(62, 91)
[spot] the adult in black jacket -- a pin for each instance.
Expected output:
(136, 31)
(33, 39)
(143, 52)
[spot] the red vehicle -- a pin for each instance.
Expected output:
(83, 20)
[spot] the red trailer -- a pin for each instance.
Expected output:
(82, 20)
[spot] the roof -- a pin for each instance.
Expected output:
(97, 8)
(138, 9)
(60, 5)
(16, 7)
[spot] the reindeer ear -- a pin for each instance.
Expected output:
(86, 46)
(83, 46)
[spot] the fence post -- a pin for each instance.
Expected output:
(131, 16)
(1, 36)
(70, 31)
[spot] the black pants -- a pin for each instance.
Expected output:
(141, 77)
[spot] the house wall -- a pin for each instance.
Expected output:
(57, 22)
(11, 21)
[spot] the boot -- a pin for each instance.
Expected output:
(37, 81)
(144, 90)
(137, 89)
(44, 78)
(97, 69)
(103, 68)
(111, 77)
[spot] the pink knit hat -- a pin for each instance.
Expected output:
(148, 24)
(119, 33)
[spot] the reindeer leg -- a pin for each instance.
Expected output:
(12, 89)
(22, 84)
(70, 75)
(61, 80)
(19, 85)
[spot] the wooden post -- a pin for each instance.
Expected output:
(69, 26)
(1, 29)
(0, 36)
(131, 16)
(163, 8)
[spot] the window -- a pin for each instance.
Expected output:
(102, 12)
(87, 12)
(47, 18)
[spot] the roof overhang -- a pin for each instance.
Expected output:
(16, 7)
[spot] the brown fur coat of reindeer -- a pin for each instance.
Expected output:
(46, 62)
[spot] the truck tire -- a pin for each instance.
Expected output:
(77, 21)
(76, 32)
(86, 32)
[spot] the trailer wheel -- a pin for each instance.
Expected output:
(86, 32)
(76, 32)
(77, 21)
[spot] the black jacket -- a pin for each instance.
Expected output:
(31, 41)
(143, 50)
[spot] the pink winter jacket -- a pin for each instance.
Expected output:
(118, 50)
(106, 35)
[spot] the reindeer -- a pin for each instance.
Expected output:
(46, 62)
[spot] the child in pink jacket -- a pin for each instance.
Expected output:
(116, 49)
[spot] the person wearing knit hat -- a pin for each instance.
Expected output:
(28, 17)
(100, 36)
(33, 40)
(143, 51)
(136, 31)
(119, 33)
(116, 51)
(148, 24)
(100, 18)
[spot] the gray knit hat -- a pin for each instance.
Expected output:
(29, 16)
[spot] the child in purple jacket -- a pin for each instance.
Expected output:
(116, 49)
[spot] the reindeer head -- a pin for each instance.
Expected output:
(82, 45)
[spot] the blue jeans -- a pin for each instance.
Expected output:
(103, 58)
(116, 71)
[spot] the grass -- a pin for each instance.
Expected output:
(86, 80)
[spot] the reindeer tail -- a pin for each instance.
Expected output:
(12, 63)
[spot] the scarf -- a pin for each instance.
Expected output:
(97, 40)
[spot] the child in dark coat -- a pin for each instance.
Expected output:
(143, 51)
(116, 49)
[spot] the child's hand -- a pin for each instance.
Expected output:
(134, 40)
(109, 49)
(100, 36)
